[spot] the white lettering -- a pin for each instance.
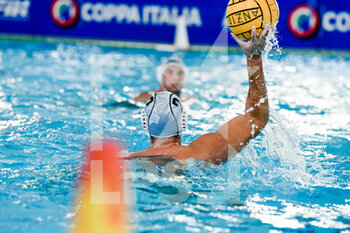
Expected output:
(174, 15)
(146, 11)
(100, 13)
(109, 13)
(185, 13)
(98, 196)
(134, 15)
(336, 22)
(329, 21)
(14, 9)
(151, 14)
(25, 9)
(86, 12)
(164, 15)
(194, 18)
(160, 15)
(121, 12)
(343, 22)
(154, 12)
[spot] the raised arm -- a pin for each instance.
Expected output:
(236, 133)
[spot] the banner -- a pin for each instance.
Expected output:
(303, 24)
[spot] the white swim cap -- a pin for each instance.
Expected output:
(163, 116)
(172, 61)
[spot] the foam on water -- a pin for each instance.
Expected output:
(293, 177)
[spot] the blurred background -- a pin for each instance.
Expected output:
(311, 24)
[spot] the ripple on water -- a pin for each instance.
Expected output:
(294, 177)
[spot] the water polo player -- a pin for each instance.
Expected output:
(164, 118)
(171, 75)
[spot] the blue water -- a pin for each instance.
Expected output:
(292, 178)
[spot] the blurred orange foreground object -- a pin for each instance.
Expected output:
(101, 206)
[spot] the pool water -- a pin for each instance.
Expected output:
(295, 177)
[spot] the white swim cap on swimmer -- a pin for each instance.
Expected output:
(172, 61)
(163, 116)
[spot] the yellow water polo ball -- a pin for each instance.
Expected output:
(242, 15)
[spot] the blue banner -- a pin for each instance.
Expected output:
(303, 24)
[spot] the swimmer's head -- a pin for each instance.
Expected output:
(163, 116)
(171, 74)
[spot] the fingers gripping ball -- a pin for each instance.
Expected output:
(242, 15)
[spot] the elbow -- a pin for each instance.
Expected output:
(260, 125)
(260, 120)
(263, 119)
(260, 114)
(264, 116)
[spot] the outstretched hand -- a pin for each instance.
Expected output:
(256, 45)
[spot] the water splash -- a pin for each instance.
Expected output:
(301, 157)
